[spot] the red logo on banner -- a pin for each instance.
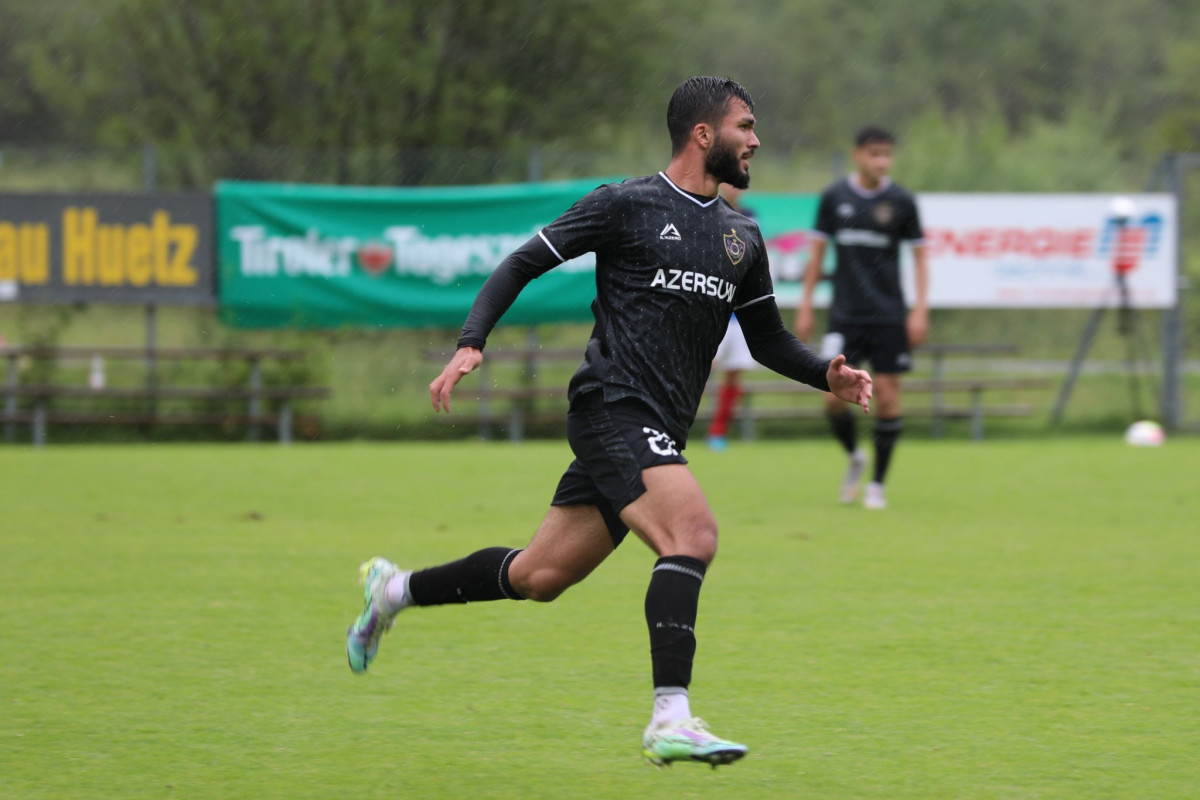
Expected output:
(374, 257)
(790, 242)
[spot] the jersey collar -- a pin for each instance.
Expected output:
(687, 194)
(857, 188)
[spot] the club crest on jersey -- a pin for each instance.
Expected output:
(883, 213)
(735, 248)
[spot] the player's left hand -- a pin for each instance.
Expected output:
(849, 384)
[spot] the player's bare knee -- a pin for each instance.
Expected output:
(544, 585)
(699, 541)
(706, 545)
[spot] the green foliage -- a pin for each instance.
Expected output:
(310, 371)
(955, 152)
(27, 113)
(42, 168)
(376, 91)
(1022, 623)
(1179, 127)
(40, 327)
(823, 68)
(347, 77)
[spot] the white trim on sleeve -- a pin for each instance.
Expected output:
(755, 300)
(553, 249)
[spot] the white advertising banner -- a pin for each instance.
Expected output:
(1047, 250)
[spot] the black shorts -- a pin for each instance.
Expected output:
(613, 443)
(885, 346)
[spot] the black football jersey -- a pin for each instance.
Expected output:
(866, 229)
(671, 266)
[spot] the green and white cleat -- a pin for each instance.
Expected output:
(689, 740)
(855, 466)
(875, 499)
(362, 639)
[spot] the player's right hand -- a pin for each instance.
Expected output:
(465, 360)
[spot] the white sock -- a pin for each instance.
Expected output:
(670, 706)
(396, 592)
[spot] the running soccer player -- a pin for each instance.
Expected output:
(868, 216)
(672, 262)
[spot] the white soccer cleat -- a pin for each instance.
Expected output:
(854, 473)
(874, 497)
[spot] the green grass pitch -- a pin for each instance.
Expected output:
(1024, 622)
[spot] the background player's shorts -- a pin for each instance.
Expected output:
(613, 443)
(885, 346)
(733, 352)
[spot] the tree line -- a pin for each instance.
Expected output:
(371, 82)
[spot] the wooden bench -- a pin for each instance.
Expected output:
(251, 406)
(939, 410)
(938, 351)
(523, 402)
(514, 407)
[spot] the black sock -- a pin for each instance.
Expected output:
(671, 603)
(845, 428)
(483, 575)
(887, 431)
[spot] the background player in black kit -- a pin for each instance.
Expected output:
(672, 262)
(867, 217)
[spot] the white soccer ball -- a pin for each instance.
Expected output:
(1145, 433)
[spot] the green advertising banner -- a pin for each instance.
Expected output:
(786, 221)
(329, 256)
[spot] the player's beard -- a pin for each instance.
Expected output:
(724, 164)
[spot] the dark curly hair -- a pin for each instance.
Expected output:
(701, 99)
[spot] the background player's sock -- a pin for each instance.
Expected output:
(727, 399)
(670, 706)
(483, 575)
(671, 603)
(887, 431)
(845, 429)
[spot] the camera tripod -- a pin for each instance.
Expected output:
(1129, 325)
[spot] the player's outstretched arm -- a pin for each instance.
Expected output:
(527, 262)
(773, 346)
(851, 385)
(465, 360)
